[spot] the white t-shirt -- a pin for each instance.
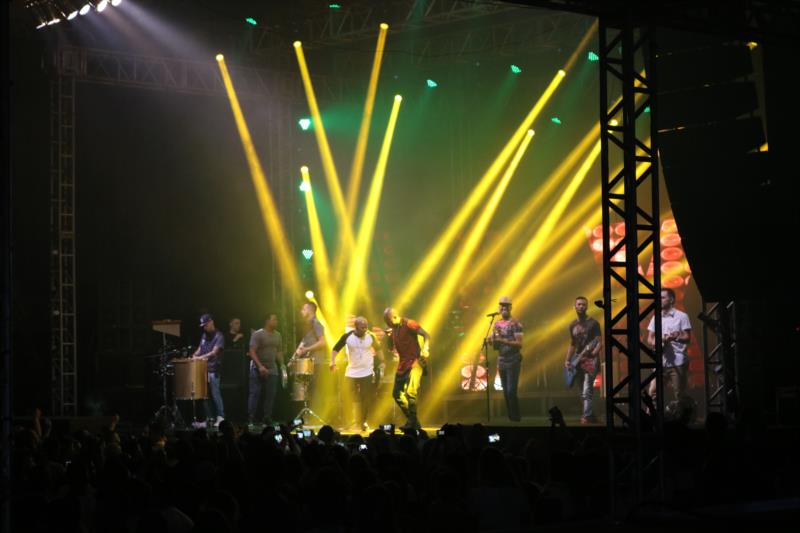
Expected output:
(360, 355)
(674, 351)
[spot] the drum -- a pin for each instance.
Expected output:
(190, 381)
(299, 390)
(302, 366)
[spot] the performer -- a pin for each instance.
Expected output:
(402, 334)
(583, 355)
(676, 333)
(235, 338)
(361, 352)
(211, 345)
(507, 340)
(266, 360)
(313, 346)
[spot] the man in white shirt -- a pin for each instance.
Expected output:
(676, 333)
(361, 352)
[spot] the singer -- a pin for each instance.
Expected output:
(507, 340)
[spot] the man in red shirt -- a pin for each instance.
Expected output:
(403, 336)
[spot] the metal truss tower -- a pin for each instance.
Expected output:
(63, 329)
(630, 195)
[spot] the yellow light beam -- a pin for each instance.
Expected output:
(522, 265)
(437, 309)
(363, 132)
(582, 44)
(358, 263)
(331, 176)
(437, 252)
(269, 212)
(320, 259)
(512, 231)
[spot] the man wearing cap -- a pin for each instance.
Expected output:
(212, 343)
(507, 340)
(403, 336)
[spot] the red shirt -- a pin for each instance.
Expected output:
(404, 339)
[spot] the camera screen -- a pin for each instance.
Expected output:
(362, 447)
(278, 438)
(307, 433)
(297, 422)
(494, 438)
(440, 433)
(388, 428)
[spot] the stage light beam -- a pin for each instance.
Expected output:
(269, 211)
(321, 263)
(359, 261)
(437, 310)
(421, 274)
(331, 176)
(102, 5)
(363, 132)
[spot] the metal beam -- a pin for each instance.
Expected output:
(626, 57)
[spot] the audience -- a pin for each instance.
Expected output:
(237, 481)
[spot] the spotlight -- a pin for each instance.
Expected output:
(251, 21)
(102, 5)
(398, 98)
(115, 3)
(555, 120)
(593, 57)
(220, 57)
(515, 69)
(305, 186)
(432, 83)
(297, 44)
(85, 9)
(310, 295)
(304, 123)
(384, 26)
(72, 15)
(307, 253)
(53, 21)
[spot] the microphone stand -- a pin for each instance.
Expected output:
(489, 380)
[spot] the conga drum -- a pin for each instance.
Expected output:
(190, 381)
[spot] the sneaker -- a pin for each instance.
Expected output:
(219, 419)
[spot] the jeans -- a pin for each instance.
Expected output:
(363, 393)
(587, 392)
(270, 385)
(509, 379)
(214, 381)
(406, 390)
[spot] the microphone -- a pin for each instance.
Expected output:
(493, 314)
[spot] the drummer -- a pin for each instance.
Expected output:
(313, 346)
(266, 358)
(212, 342)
